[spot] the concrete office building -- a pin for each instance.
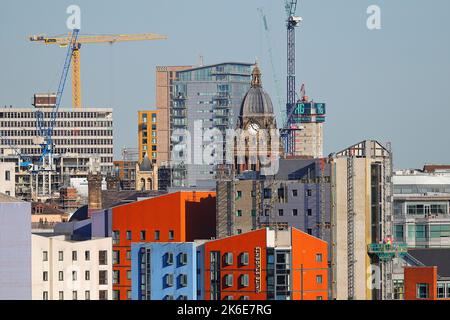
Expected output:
(362, 217)
(204, 97)
(147, 135)
(86, 132)
(15, 249)
(71, 270)
(421, 208)
(163, 271)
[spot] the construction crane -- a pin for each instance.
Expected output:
(63, 41)
(272, 65)
(45, 128)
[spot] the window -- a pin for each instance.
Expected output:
(183, 280)
(183, 258)
(129, 274)
(128, 255)
(228, 298)
(244, 298)
(309, 192)
(238, 231)
(294, 212)
(61, 276)
(294, 192)
(182, 297)
(74, 256)
(103, 277)
(168, 280)
(116, 276)
(87, 275)
(61, 295)
(116, 237)
(171, 235)
(103, 257)
(319, 298)
(74, 276)
(74, 295)
(116, 295)
(45, 295)
(156, 234)
(318, 257)
(129, 294)
(238, 195)
(45, 276)
(103, 295)
(228, 259)
(87, 295)
(280, 212)
(239, 213)
(229, 280)
(87, 255)
(309, 231)
(7, 175)
(116, 257)
(168, 297)
(319, 279)
(143, 236)
(169, 258)
(310, 212)
(244, 279)
(441, 290)
(128, 235)
(244, 259)
(422, 291)
(60, 255)
(253, 213)
(45, 256)
(398, 232)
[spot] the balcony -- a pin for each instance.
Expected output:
(387, 251)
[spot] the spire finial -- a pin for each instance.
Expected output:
(256, 76)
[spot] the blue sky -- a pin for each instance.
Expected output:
(390, 84)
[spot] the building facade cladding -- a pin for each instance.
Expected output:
(15, 249)
(71, 270)
(165, 76)
(207, 97)
(147, 135)
(164, 271)
(8, 178)
(366, 168)
(266, 265)
(422, 209)
(88, 131)
(421, 283)
(175, 217)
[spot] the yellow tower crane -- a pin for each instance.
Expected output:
(63, 41)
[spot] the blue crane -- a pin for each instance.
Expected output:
(45, 129)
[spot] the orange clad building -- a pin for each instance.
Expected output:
(266, 265)
(175, 217)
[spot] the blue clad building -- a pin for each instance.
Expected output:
(164, 271)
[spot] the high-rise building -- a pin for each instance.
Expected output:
(165, 76)
(307, 121)
(201, 98)
(147, 135)
(362, 220)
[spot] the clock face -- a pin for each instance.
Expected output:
(253, 128)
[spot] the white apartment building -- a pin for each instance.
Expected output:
(86, 132)
(63, 269)
(8, 178)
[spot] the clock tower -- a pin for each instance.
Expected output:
(257, 136)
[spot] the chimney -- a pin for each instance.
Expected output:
(94, 192)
